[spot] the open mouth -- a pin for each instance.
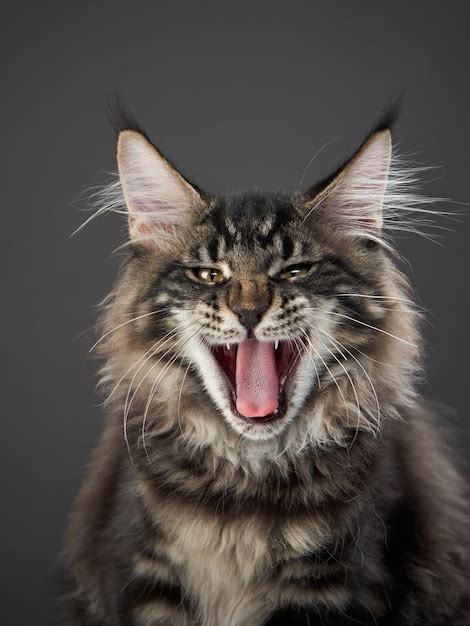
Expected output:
(258, 373)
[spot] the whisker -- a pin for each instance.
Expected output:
(143, 360)
(127, 404)
(312, 360)
(178, 414)
(380, 330)
(369, 380)
(347, 374)
(336, 341)
(153, 390)
(178, 329)
(102, 304)
(157, 382)
(317, 153)
(171, 332)
(359, 412)
(327, 369)
(339, 323)
(134, 319)
(129, 369)
(374, 297)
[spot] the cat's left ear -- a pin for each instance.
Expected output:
(353, 202)
(158, 199)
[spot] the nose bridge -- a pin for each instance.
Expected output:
(249, 293)
(249, 298)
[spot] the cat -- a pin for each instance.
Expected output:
(266, 456)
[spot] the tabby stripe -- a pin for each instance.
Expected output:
(336, 596)
(150, 615)
(154, 567)
(345, 267)
(212, 249)
(317, 583)
(147, 590)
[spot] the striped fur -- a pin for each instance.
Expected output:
(347, 509)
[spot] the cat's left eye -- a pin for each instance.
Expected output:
(208, 275)
(294, 271)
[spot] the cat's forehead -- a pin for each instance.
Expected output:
(251, 227)
(254, 207)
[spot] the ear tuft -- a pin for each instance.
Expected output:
(389, 117)
(121, 118)
(159, 200)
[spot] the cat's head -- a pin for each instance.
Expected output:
(266, 301)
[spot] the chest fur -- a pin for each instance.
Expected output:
(232, 568)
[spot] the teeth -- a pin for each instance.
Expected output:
(276, 344)
(228, 346)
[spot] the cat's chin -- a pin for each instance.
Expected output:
(257, 431)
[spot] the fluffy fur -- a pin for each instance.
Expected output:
(345, 510)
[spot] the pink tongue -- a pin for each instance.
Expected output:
(257, 383)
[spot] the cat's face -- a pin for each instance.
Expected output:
(256, 299)
(259, 295)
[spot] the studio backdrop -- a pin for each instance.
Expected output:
(239, 97)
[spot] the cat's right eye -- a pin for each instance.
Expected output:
(208, 275)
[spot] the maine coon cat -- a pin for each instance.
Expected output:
(266, 457)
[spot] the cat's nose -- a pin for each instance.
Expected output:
(249, 317)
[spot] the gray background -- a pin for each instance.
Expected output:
(240, 97)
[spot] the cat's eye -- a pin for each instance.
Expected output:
(294, 271)
(208, 275)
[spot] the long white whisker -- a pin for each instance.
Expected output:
(178, 409)
(160, 376)
(127, 404)
(368, 378)
(157, 382)
(380, 330)
(293, 340)
(312, 311)
(178, 329)
(174, 331)
(310, 356)
(347, 374)
(134, 319)
(153, 347)
(327, 369)
(374, 297)
(150, 353)
(336, 341)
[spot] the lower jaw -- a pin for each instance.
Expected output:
(257, 430)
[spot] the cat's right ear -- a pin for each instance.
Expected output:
(158, 199)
